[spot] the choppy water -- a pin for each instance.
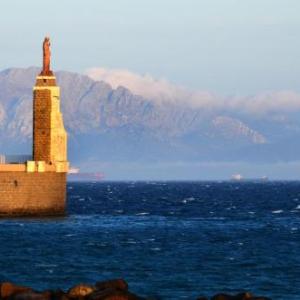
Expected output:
(174, 240)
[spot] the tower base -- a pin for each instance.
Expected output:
(32, 194)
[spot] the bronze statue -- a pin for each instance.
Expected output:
(46, 58)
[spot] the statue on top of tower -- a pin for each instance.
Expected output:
(46, 58)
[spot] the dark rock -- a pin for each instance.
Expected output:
(113, 294)
(80, 290)
(59, 295)
(8, 289)
(116, 289)
(117, 284)
(243, 296)
(31, 295)
(240, 296)
(222, 297)
(260, 298)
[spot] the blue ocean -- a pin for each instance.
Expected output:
(170, 240)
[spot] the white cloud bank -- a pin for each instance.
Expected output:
(158, 90)
(161, 91)
(268, 102)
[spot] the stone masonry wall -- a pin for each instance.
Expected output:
(42, 125)
(23, 193)
(49, 134)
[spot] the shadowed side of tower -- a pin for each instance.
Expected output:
(38, 187)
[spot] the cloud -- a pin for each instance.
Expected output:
(162, 91)
(268, 102)
(144, 85)
(158, 90)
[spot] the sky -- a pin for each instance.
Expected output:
(231, 47)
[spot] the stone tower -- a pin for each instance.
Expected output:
(49, 134)
(38, 186)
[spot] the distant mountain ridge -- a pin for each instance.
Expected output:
(115, 125)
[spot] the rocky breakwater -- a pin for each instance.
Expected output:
(116, 289)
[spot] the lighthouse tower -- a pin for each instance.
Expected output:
(49, 134)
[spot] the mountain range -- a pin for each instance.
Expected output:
(113, 127)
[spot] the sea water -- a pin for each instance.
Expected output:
(172, 240)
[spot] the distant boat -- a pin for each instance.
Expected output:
(93, 176)
(264, 178)
(73, 171)
(237, 177)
